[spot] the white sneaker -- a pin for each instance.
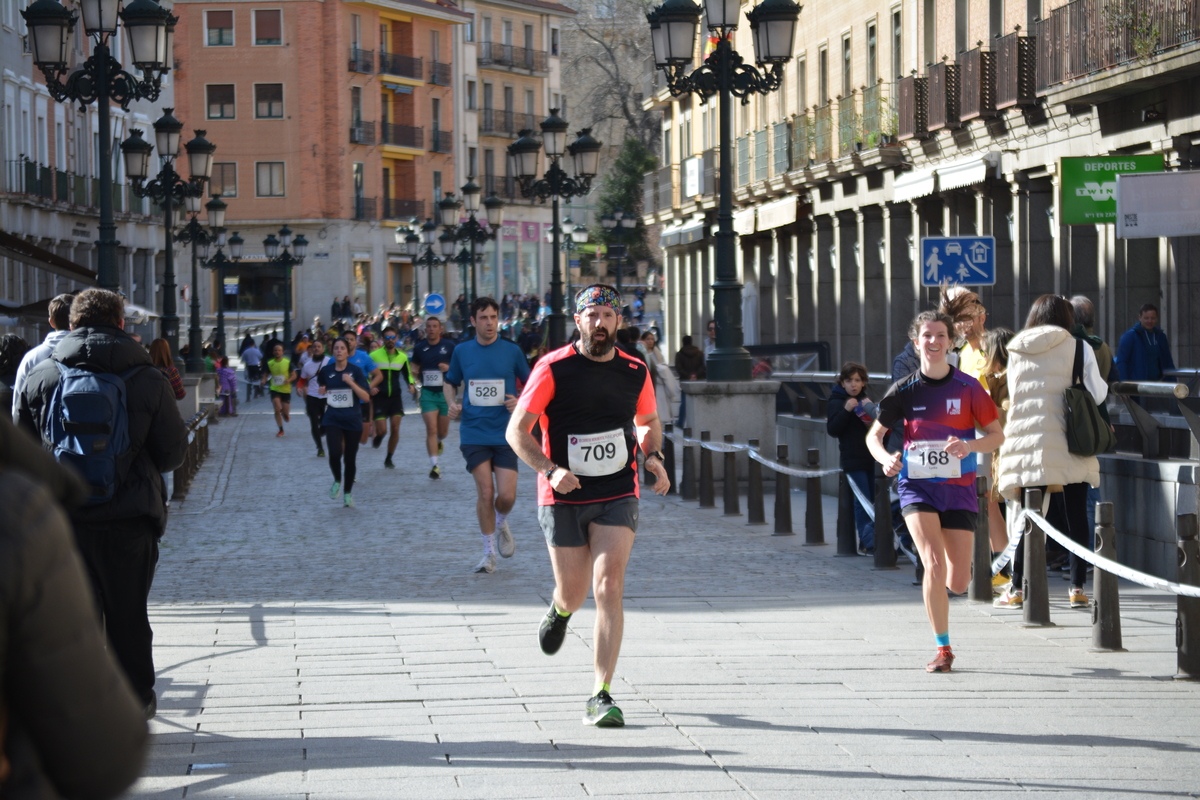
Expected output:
(505, 542)
(487, 563)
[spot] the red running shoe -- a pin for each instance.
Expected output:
(942, 662)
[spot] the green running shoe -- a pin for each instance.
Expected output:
(335, 490)
(347, 502)
(602, 712)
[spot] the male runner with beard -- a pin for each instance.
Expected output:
(595, 405)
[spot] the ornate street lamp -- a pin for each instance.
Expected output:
(553, 186)
(201, 239)
(286, 252)
(102, 80)
(471, 232)
(169, 190)
(218, 262)
(616, 224)
(673, 28)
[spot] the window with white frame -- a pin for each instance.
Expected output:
(268, 179)
(268, 26)
(268, 100)
(219, 28)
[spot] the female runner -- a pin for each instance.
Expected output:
(941, 408)
(343, 423)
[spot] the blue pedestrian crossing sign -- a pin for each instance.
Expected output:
(969, 260)
(435, 304)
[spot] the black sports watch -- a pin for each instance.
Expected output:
(550, 472)
(657, 454)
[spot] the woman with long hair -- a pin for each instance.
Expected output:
(1041, 361)
(160, 355)
(941, 407)
(343, 422)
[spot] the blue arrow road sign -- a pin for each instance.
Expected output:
(435, 304)
(969, 260)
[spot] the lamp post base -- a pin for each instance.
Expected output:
(732, 364)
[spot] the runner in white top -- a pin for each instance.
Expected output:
(312, 392)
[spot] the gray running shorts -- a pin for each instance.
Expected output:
(566, 524)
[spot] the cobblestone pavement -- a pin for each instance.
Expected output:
(310, 651)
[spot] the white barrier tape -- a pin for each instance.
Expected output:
(724, 447)
(1106, 564)
(793, 471)
(1010, 550)
(867, 506)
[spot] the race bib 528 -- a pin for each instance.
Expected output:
(486, 392)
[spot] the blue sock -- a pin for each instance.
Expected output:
(943, 639)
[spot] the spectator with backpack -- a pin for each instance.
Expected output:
(100, 405)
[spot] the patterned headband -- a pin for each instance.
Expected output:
(598, 296)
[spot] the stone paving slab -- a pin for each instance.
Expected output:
(310, 651)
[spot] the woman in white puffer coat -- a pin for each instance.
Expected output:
(1035, 454)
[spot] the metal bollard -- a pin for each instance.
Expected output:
(755, 513)
(783, 495)
(730, 483)
(981, 554)
(1187, 619)
(847, 535)
(687, 478)
(814, 515)
(669, 456)
(885, 537)
(707, 490)
(1036, 606)
(1106, 605)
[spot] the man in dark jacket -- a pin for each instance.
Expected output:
(118, 538)
(848, 418)
(689, 366)
(1144, 352)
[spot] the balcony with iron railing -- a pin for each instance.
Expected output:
(439, 74)
(710, 163)
(781, 148)
(1016, 72)
(362, 132)
(823, 133)
(403, 208)
(494, 54)
(362, 61)
(802, 140)
(943, 96)
(977, 85)
(1085, 36)
(761, 155)
(742, 167)
(45, 185)
(440, 141)
(402, 66)
(649, 192)
(364, 208)
(668, 178)
(501, 122)
(402, 135)
(912, 108)
(848, 131)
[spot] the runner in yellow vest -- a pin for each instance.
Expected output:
(280, 378)
(389, 401)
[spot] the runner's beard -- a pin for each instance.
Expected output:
(597, 348)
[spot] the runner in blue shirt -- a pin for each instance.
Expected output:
(488, 368)
(363, 360)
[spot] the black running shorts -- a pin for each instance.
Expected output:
(566, 524)
(955, 519)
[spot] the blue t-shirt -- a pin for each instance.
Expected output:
(471, 362)
(349, 417)
(364, 362)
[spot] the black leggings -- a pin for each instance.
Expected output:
(1067, 513)
(314, 407)
(341, 441)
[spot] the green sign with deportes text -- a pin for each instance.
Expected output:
(1089, 185)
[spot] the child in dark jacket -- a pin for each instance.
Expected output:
(850, 416)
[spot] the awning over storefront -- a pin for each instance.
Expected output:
(966, 172)
(685, 232)
(743, 221)
(28, 253)
(777, 214)
(911, 185)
